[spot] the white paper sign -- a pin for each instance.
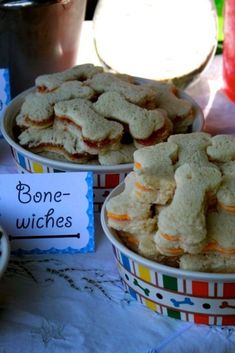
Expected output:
(5, 95)
(48, 213)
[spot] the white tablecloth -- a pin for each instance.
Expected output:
(76, 303)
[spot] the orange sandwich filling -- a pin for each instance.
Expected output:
(142, 187)
(118, 217)
(170, 237)
(90, 143)
(172, 251)
(214, 246)
(47, 122)
(57, 148)
(138, 165)
(227, 208)
(155, 137)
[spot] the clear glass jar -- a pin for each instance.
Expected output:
(156, 39)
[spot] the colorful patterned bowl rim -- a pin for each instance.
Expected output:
(113, 238)
(13, 108)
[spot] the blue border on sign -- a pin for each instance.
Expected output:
(90, 247)
(7, 88)
(4, 72)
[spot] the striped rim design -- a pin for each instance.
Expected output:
(203, 302)
(103, 183)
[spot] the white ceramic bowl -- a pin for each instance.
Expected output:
(4, 251)
(105, 177)
(204, 298)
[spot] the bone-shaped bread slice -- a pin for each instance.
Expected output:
(52, 140)
(192, 148)
(50, 82)
(222, 148)
(178, 109)
(38, 109)
(219, 250)
(138, 94)
(182, 224)
(226, 193)
(220, 232)
(208, 262)
(96, 132)
(143, 124)
(124, 154)
(125, 213)
(154, 168)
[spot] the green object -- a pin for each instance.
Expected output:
(170, 283)
(173, 313)
(220, 15)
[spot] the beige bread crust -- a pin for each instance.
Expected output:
(154, 168)
(220, 231)
(21, 123)
(96, 132)
(184, 219)
(126, 214)
(226, 192)
(179, 110)
(137, 94)
(157, 136)
(51, 140)
(192, 148)
(38, 108)
(213, 262)
(142, 122)
(49, 82)
(222, 148)
(123, 154)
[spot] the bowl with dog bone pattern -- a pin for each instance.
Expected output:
(85, 119)
(159, 284)
(172, 227)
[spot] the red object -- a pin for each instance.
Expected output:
(229, 50)
(229, 290)
(200, 289)
(201, 319)
(112, 180)
(228, 320)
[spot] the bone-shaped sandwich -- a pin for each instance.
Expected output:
(182, 224)
(219, 250)
(222, 148)
(125, 213)
(96, 133)
(226, 193)
(61, 143)
(49, 82)
(154, 168)
(138, 94)
(145, 126)
(124, 154)
(38, 109)
(179, 110)
(192, 148)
